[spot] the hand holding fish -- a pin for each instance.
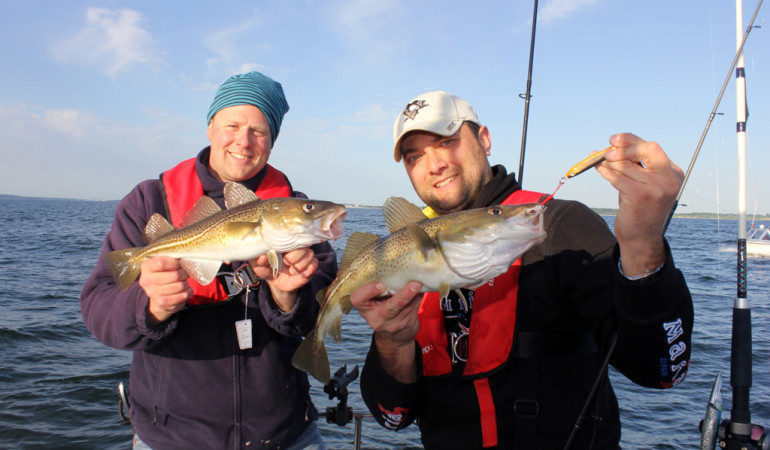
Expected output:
(394, 322)
(647, 183)
(165, 283)
(296, 269)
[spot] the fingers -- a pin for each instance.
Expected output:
(165, 283)
(635, 164)
(301, 262)
(394, 315)
(364, 296)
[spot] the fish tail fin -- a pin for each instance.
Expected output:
(124, 265)
(311, 357)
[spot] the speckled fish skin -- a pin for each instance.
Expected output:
(463, 249)
(248, 228)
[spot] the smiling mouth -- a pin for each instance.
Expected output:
(443, 183)
(239, 156)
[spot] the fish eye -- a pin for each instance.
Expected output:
(495, 211)
(308, 207)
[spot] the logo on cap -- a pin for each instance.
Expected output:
(413, 108)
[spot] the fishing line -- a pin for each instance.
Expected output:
(577, 169)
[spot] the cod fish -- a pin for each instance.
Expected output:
(248, 228)
(462, 249)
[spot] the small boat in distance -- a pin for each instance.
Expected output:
(758, 241)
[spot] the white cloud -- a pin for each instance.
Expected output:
(556, 10)
(110, 42)
(69, 122)
(75, 150)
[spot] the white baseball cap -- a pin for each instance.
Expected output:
(437, 112)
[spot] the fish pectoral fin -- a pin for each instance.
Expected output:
(201, 270)
(239, 230)
(156, 227)
(443, 290)
(425, 244)
(205, 207)
(276, 261)
(236, 194)
(399, 213)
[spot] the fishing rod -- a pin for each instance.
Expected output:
(738, 56)
(739, 432)
(527, 96)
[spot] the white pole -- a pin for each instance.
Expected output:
(740, 103)
(740, 359)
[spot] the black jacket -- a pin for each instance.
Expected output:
(572, 301)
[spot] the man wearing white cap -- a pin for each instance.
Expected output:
(579, 296)
(192, 385)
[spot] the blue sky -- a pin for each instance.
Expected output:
(98, 96)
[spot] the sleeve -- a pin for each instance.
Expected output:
(393, 404)
(652, 317)
(118, 318)
(655, 320)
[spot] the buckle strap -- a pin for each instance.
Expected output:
(242, 278)
(487, 411)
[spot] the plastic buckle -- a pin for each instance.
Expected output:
(526, 409)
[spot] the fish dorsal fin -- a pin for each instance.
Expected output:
(357, 242)
(424, 242)
(156, 227)
(203, 208)
(399, 213)
(236, 194)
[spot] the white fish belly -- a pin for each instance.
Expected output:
(242, 250)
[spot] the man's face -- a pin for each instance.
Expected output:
(447, 172)
(240, 143)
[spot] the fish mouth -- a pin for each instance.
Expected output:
(532, 219)
(330, 224)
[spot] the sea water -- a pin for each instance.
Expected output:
(58, 385)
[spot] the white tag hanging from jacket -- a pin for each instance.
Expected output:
(243, 327)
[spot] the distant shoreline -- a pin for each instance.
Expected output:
(600, 211)
(731, 216)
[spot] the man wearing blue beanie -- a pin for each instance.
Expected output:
(193, 384)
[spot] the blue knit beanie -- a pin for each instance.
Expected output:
(253, 88)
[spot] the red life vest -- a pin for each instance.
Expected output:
(183, 188)
(490, 337)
